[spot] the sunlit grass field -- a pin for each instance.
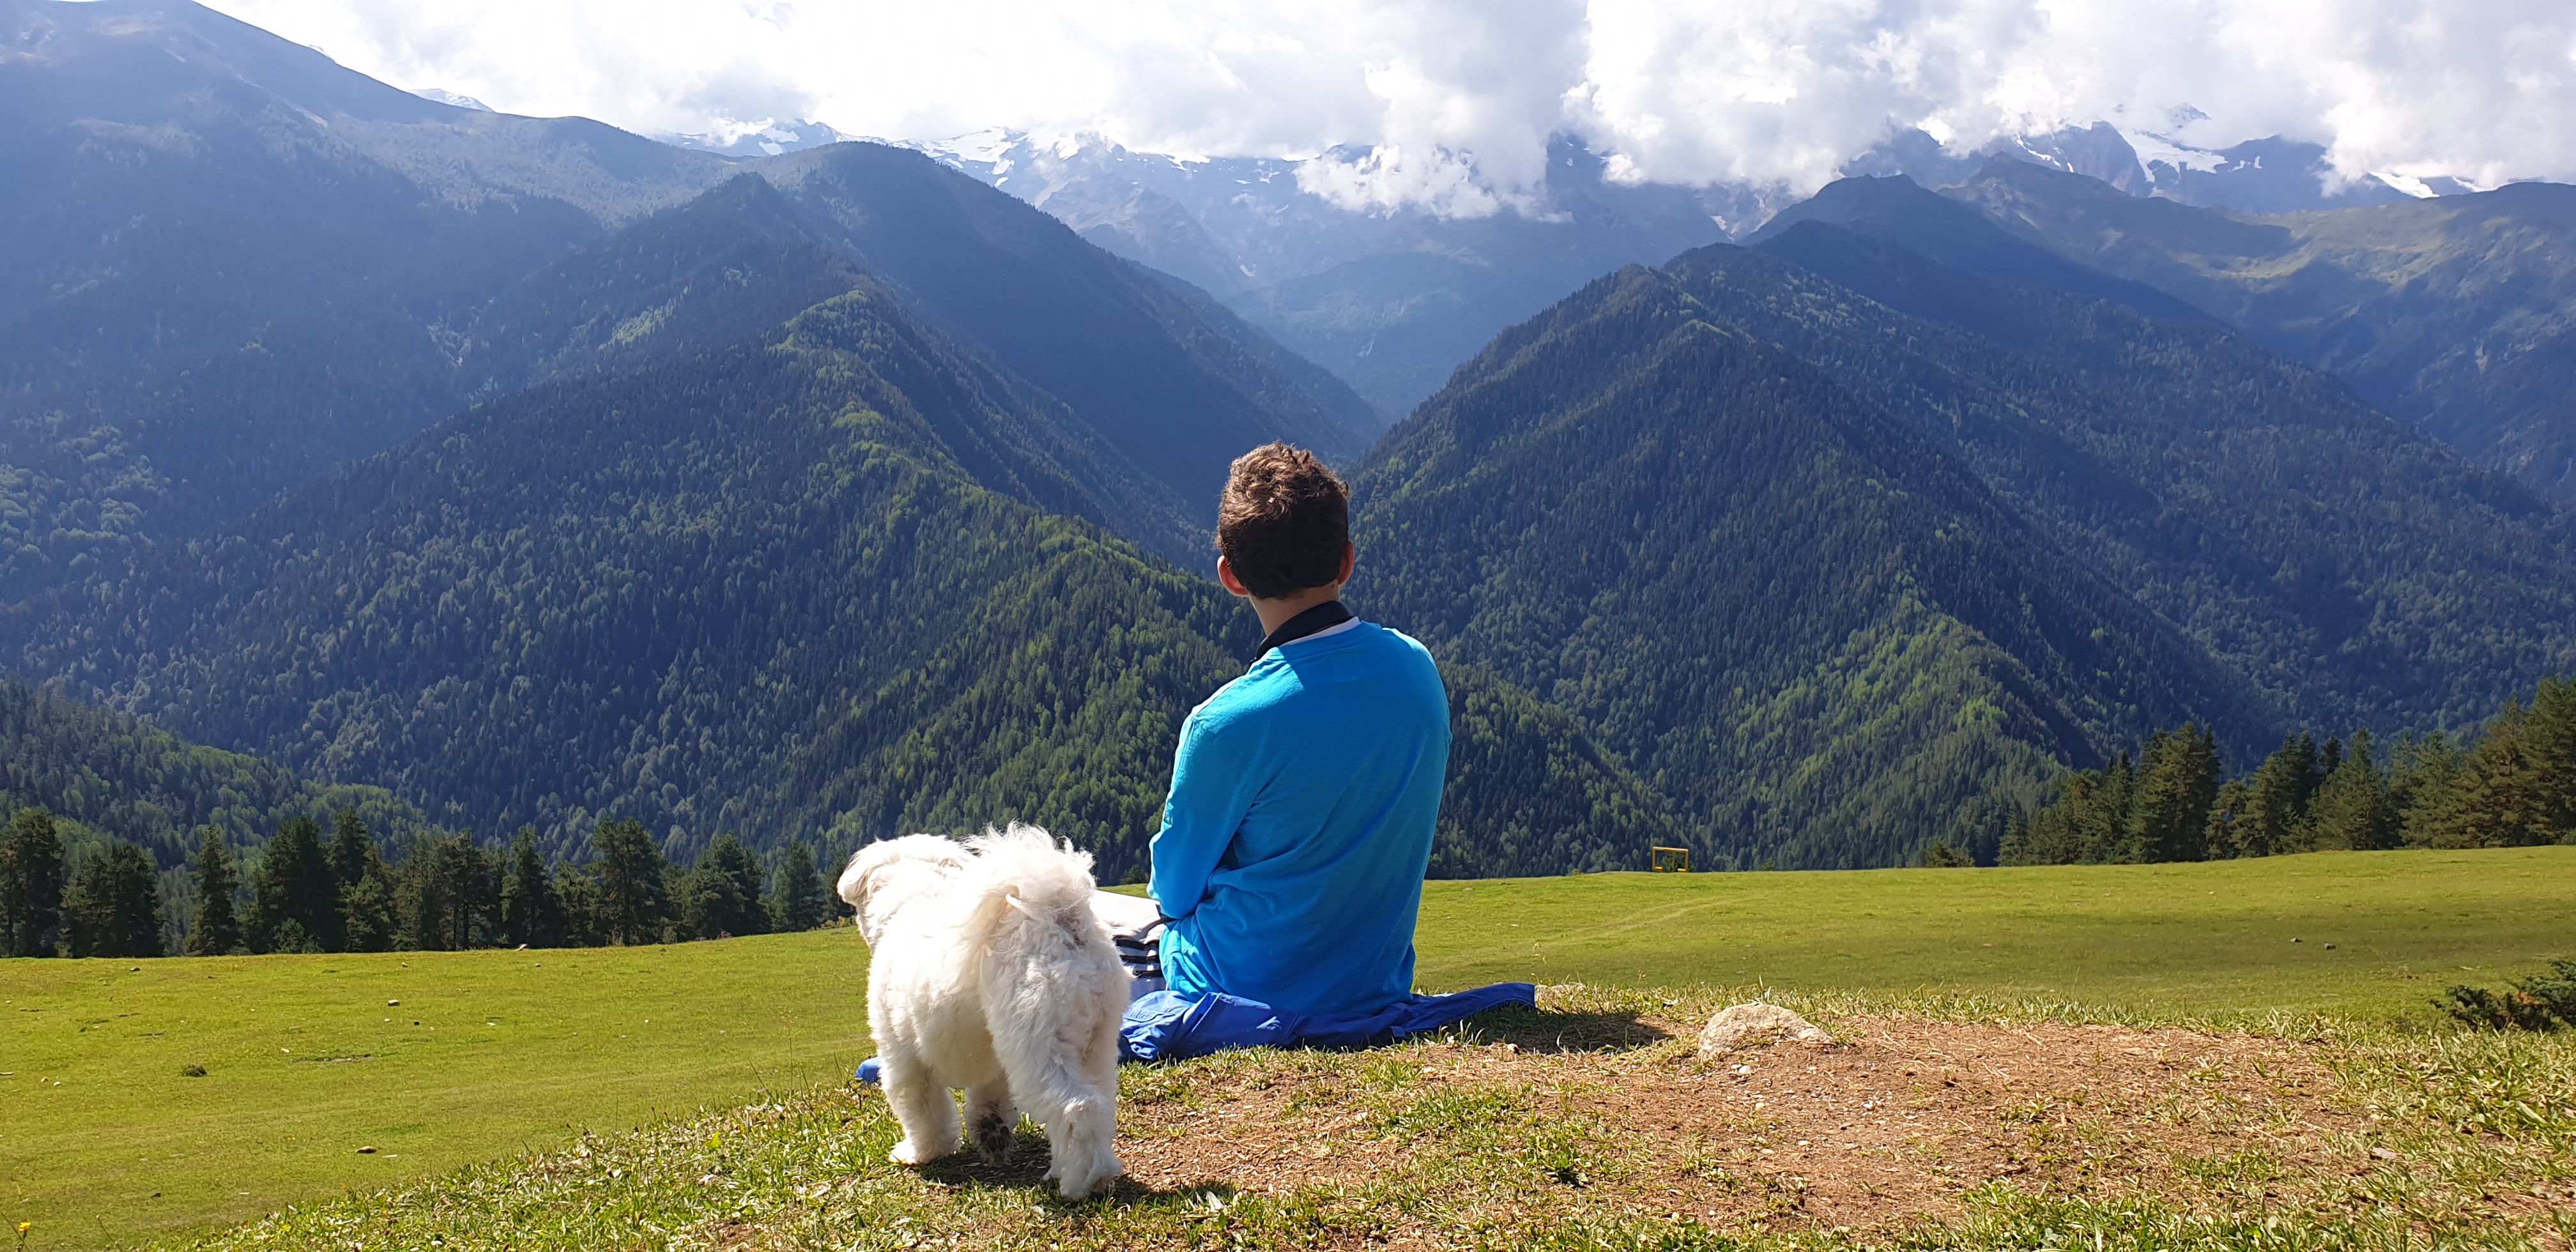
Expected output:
(103, 1138)
(105, 1141)
(2370, 935)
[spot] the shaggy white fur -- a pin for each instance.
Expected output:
(991, 973)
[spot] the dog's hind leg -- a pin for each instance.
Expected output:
(928, 1115)
(1081, 1120)
(991, 1119)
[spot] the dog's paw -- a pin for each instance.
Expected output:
(907, 1153)
(993, 1139)
(1086, 1181)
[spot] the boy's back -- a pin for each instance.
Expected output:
(1303, 800)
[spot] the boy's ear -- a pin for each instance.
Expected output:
(1350, 559)
(1225, 576)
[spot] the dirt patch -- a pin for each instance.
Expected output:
(1893, 1121)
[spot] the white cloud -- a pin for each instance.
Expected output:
(1459, 96)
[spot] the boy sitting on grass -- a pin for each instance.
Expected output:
(1304, 793)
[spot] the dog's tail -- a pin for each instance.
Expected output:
(1021, 876)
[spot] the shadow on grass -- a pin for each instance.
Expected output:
(1025, 1170)
(1538, 1030)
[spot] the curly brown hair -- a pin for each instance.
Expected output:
(1283, 522)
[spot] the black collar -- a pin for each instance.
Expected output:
(1322, 617)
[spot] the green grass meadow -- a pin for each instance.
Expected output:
(105, 1142)
(2207, 940)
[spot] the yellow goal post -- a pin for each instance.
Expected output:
(1672, 861)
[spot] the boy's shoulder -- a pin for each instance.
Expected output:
(1278, 679)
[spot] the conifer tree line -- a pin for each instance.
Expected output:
(308, 892)
(2514, 787)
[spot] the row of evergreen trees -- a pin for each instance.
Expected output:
(311, 894)
(2516, 787)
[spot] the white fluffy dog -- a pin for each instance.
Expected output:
(990, 972)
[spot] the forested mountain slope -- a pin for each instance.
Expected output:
(1939, 229)
(815, 585)
(311, 266)
(293, 248)
(1166, 385)
(1176, 383)
(1815, 632)
(1841, 572)
(2458, 313)
(122, 778)
(2343, 561)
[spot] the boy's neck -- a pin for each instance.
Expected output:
(1275, 613)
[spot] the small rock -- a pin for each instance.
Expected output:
(392, 1003)
(367, 1151)
(2383, 1154)
(2329, 947)
(1755, 1025)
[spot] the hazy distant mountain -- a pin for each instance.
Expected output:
(1939, 229)
(1390, 300)
(444, 96)
(2274, 175)
(2458, 313)
(766, 139)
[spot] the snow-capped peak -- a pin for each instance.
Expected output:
(446, 97)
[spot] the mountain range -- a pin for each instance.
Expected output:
(1393, 297)
(313, 266)
(539, 473)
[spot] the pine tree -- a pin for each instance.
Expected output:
(2102, 829)
(2351, 809)
(2176, 787)
(2016, 848)
(114, 905)
(31, 884)
(2549, 744)
(722, 892)
(2489, 802)
(295, 900)
(448, 896)
(2231, 825)
(2276, 817)
(2420, 774)
(633, 896)
(366, 887)
(2054, 835)
(583, 925)
(796, 898)
(532, 913)
(738, 864)
(216, 931)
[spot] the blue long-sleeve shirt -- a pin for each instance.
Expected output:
(1299, 825)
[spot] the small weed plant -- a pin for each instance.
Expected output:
(2541, 1002)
